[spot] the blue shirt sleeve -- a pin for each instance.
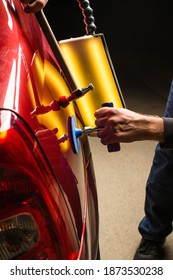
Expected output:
(168, 134)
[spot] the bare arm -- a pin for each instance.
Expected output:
(34, 6)
(123, 125)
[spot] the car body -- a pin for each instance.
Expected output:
(48, 195)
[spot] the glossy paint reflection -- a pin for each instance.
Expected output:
(31, 76)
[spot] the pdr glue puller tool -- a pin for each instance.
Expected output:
(74, 133)
(63, 101)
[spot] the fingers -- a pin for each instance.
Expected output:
(34, 6)
(101, 116)
(107, 119)
(104, 136)
(101, 112)
(100, 122)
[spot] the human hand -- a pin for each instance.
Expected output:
(34, 6)
(123, 125)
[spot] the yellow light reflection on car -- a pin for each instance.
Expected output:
(47, 85)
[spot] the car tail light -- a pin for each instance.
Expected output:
(17, 235)
(35, 221)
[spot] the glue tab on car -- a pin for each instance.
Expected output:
(115, 147)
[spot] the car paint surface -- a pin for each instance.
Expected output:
(29, 77)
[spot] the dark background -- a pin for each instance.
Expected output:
(126, 24)
(138, 33)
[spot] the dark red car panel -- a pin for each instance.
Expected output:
(48, 194)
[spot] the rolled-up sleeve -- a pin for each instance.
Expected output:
(168, 134)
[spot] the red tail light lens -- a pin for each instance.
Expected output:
(35, 221)
(18, 234)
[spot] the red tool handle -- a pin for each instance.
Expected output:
(115, 147)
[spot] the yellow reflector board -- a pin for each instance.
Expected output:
(89, 61)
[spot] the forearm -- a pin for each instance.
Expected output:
(161, 130)
(153, 127)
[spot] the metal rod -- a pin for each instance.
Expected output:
(91, 131)
(56, 49)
